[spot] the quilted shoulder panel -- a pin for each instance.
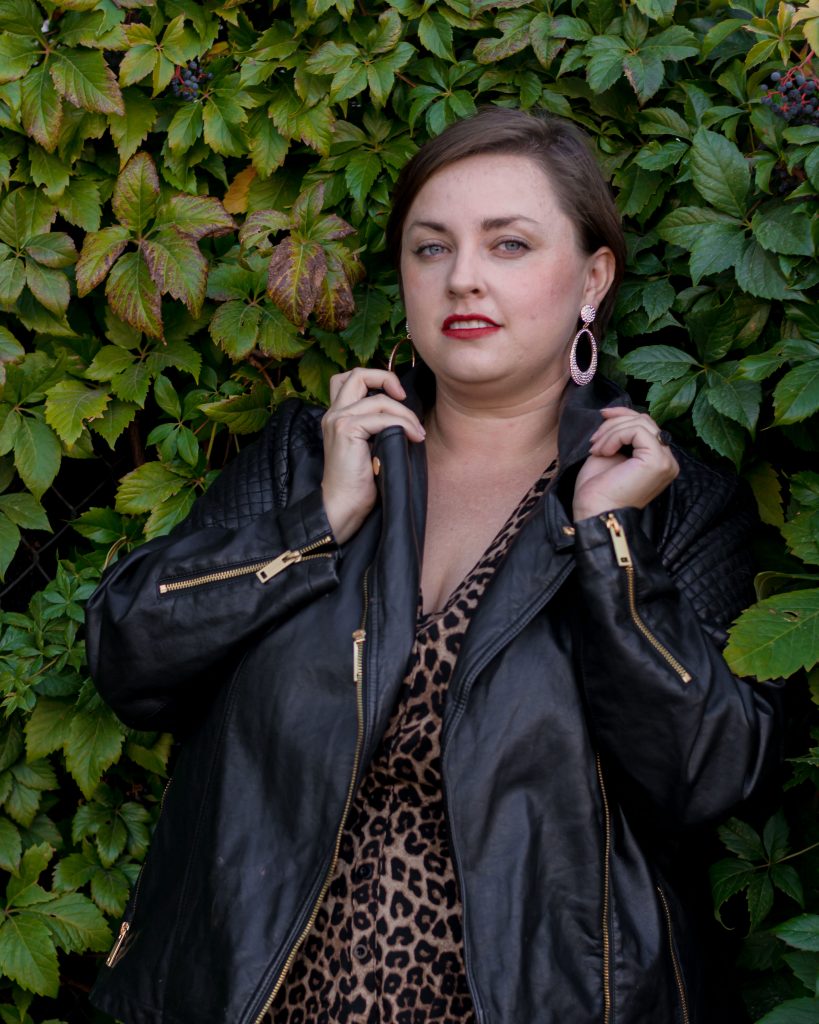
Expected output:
(258, 479)
(706, 541)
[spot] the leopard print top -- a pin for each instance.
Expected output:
(387, 944)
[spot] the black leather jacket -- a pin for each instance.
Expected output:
(589, 687)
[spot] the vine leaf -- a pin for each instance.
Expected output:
(177, 266)
(69, 406)
(295, 273)
(84, 79)
(134, 295)
(136, 193)
(776, 637)
(41, 108)
(99, 253)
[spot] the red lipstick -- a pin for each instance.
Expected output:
(466, 326)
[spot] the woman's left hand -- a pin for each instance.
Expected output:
(609, 479)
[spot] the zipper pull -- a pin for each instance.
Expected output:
(113, 956)
(359, 636)
(618, 540)
(279, 564)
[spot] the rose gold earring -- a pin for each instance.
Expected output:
(581, 377)
(398, 344)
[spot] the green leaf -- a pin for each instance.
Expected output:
(101, 525)
(70, 404)
(185, 127)
(758, 273)
(17, 54)
(243, 414)
(84, 79)
(793, 1011)
(49, 287)
(12, 280)
(37, 455)
(24, 510)
(134, 296)
(719, 432)
(764, 482)
(728, 877)
(9, 542)
(27, 954)
(76, 924)
(657, 363)
(735, 398)
(718, 247)
(362, 170)
(673, 398)
(53, 249)
(435, 34)
(81, 204)
(169, 514)
(776, 637)
(196, 216)
(801, 932)
(145, 487)
(47, 728)
(267, 147)
(797, 395)
(605, 65)
(784, 230)
(738, 837)
(645, 73)
(95, 738)
(136, 193)
(364, 330)
(41, 108)
(802, 535)
(177, 266)
(785, 878)
(760, 896)
(720, 172)
(223, 120)
(130, 129)
(11, 846)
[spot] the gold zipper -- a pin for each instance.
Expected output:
(125, 927)
(359, 639)
(674, 961)
(264, 571)
(623, 556)
(606, 888)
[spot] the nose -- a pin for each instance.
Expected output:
(465, 272)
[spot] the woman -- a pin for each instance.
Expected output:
(436, 653)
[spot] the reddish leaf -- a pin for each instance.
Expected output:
(197, 216)
(41, 108)
(177, 266)
(136, 192)
(295, 273)
(257, 229)
(335, 304)
(100, 251)
(134, 295)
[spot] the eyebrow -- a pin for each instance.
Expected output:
(489, 224)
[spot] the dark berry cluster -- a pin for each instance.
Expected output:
(189, 79)
(783, 181)
(793, 95)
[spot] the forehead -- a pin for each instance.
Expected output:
(487, 185)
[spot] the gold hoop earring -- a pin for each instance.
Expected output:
(397, 345)
(582, 377)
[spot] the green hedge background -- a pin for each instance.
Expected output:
(192, 202)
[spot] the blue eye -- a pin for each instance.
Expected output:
(431, 249)
(513, 245)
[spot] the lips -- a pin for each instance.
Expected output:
(468, 327)
(467, 322)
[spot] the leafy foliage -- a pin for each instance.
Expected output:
(192, 204)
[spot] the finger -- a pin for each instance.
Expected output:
(642, 434)
(357, 383)
(370, 416)
(623, 418)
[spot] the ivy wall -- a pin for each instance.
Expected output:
(192, 202)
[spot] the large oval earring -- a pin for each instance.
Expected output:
(397, 346)
(581, 377)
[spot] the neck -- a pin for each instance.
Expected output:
(507, 431)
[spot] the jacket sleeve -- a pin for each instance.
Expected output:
(663, 703)
(154, 647)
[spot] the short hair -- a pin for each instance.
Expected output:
(557, 146)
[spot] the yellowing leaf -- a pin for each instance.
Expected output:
(100, 251)
(235, 200)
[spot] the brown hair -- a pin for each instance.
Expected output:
(557, 146)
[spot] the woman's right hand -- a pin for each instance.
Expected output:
(354, 416)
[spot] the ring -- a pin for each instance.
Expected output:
(664, 437)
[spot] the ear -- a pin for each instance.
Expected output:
(599, 275)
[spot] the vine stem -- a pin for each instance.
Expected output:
(798, 853)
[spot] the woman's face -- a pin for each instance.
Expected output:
(494, 277)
